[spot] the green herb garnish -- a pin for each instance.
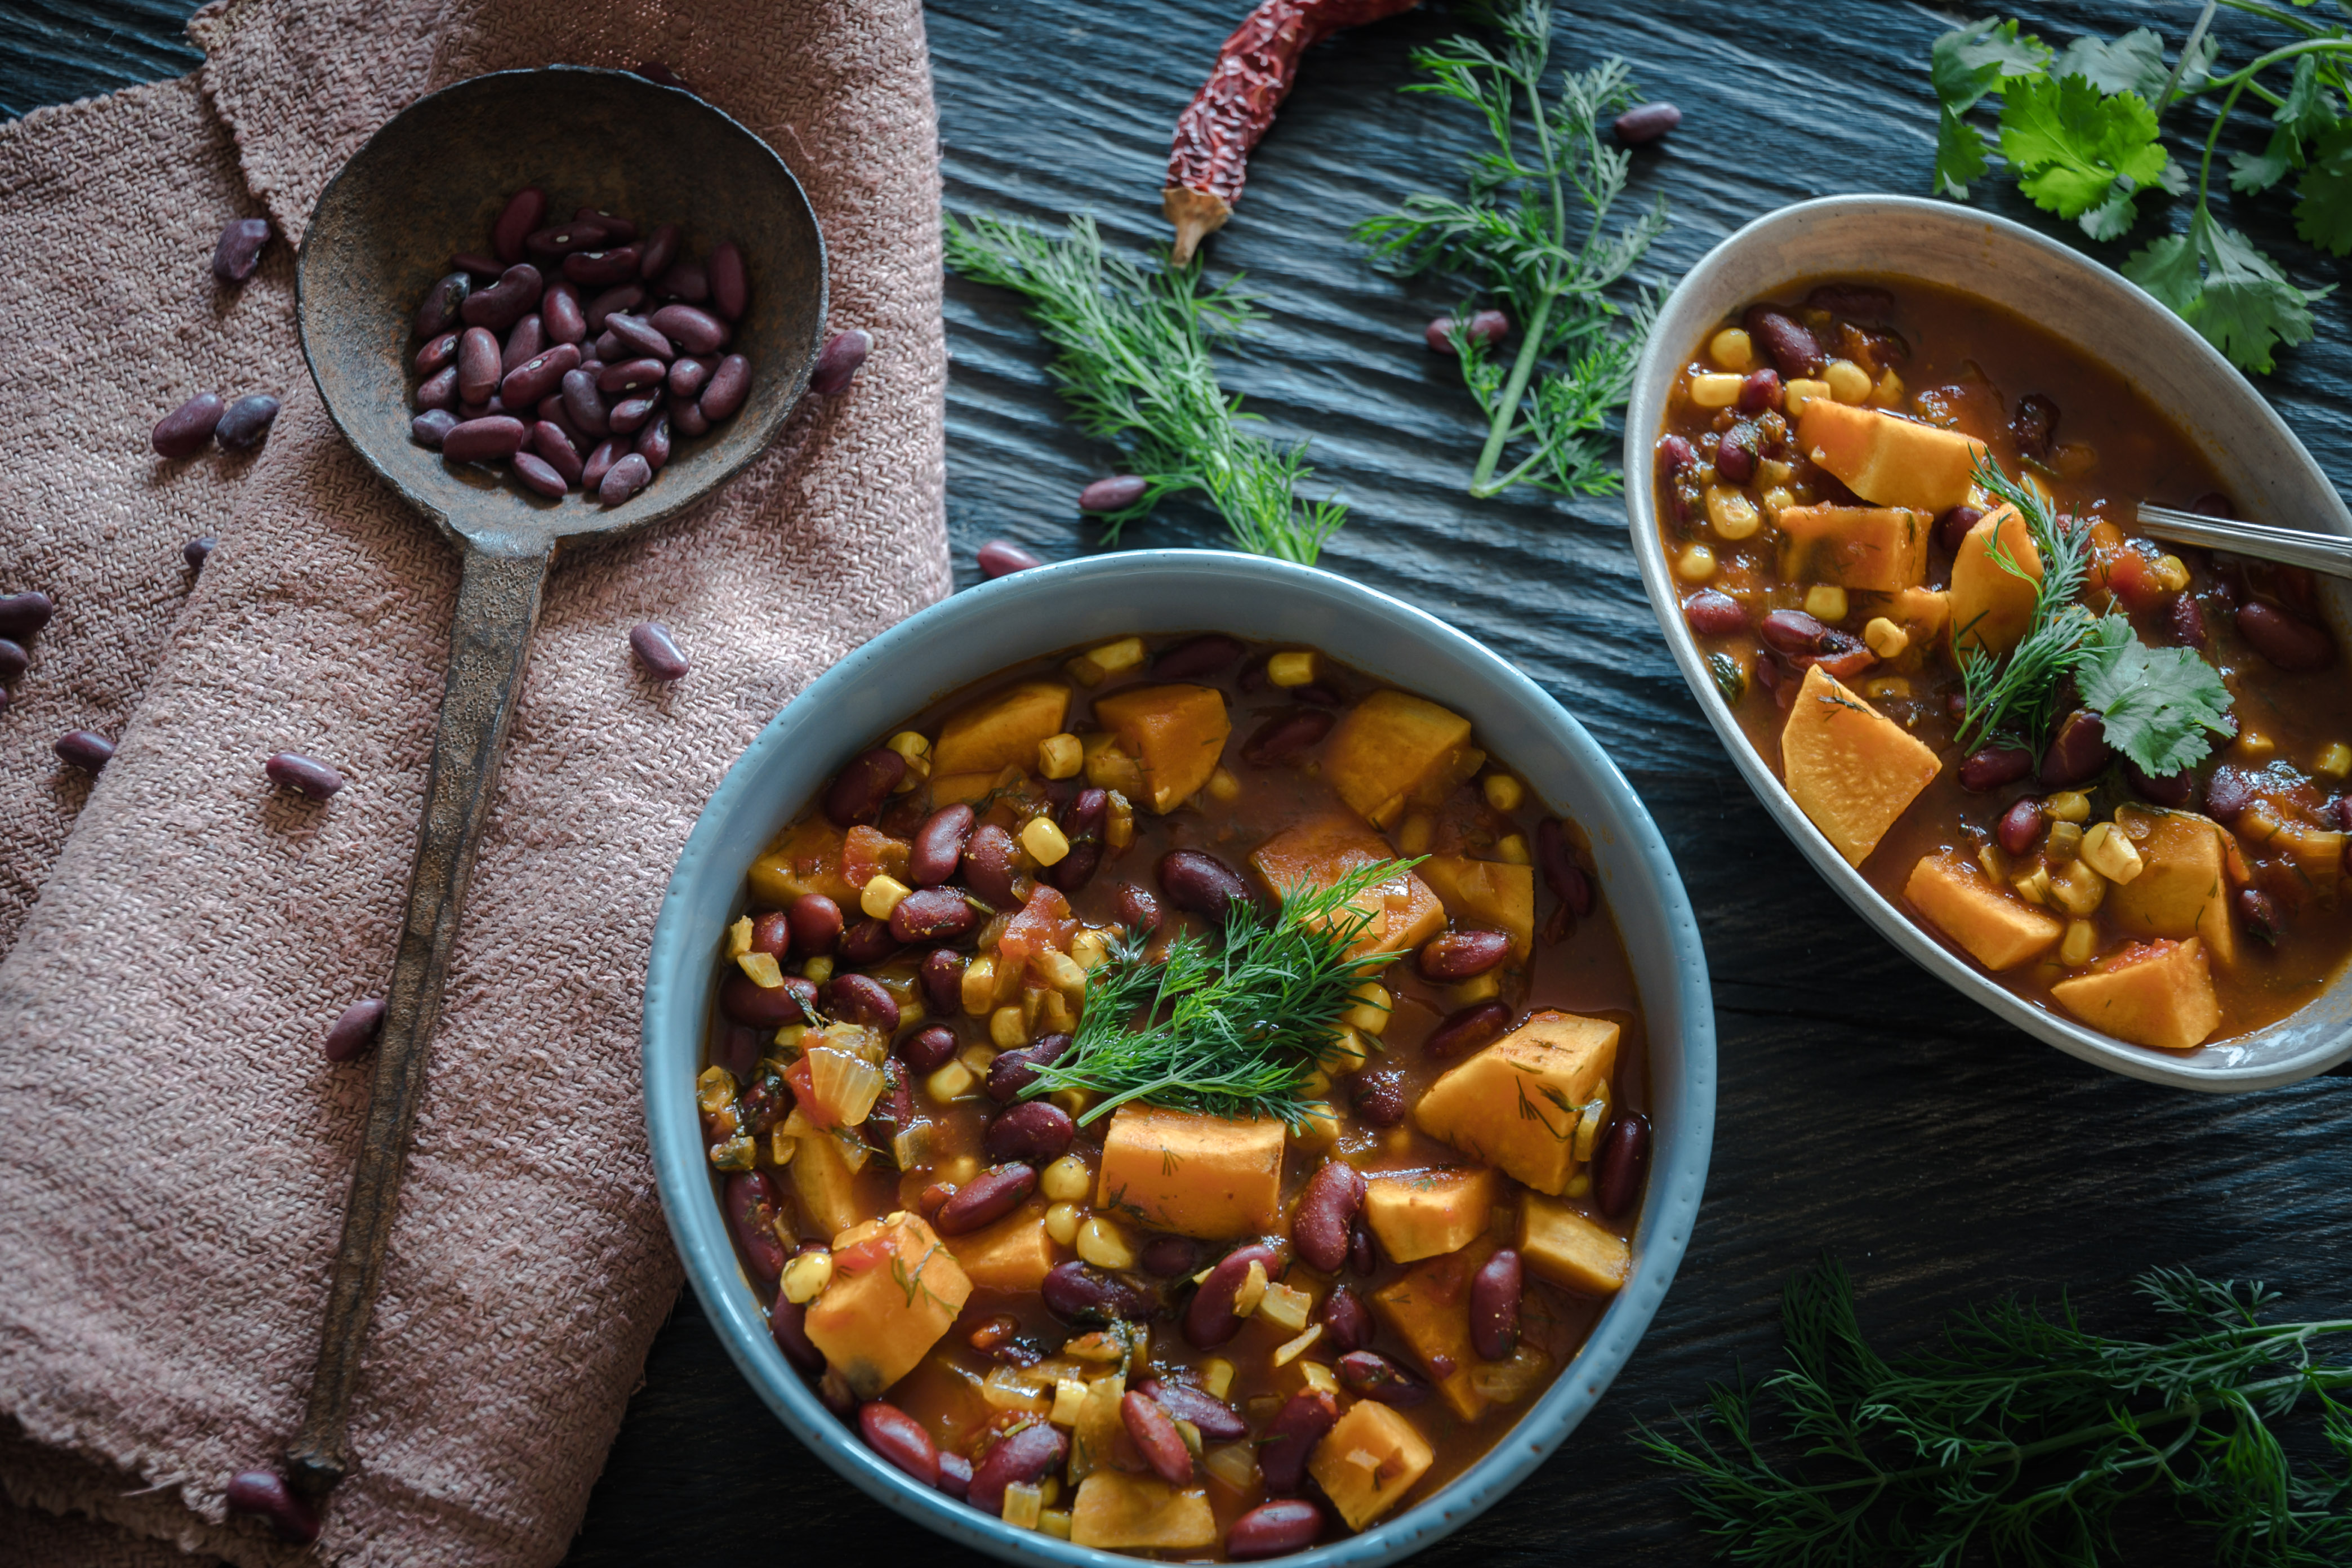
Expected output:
(2020, 1438)
(1515, 239)
(2156, 705)
(1231, 1032)
(1133, 363)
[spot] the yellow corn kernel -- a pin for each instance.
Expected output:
(1579, 1185)
(782, 1145)
(1089, 948)
(881, 895)
(1885, 639)
(1795, 394)
(762, 967)
(1414, 834)
(978, 1059)
(1117, 657)
(911, 745)
(1731, 349)
(2081, 941)
(1066, 1179)
(739, 938)
(806, 1277)
(1503, 792)
(2063, 844)
(2034, 886)
(1055, 1521)
(980, 985)
(950, 1083)
(1118, 827)
(1888, 393)
(1695, 564)
(1730, 513)
(1478, 988)
(1068, 975)
(2335, 761)
(959, 1169)
(1062, 1222)
(2067, 805)
(2172, 573)
(1060, 756)
(1777, 500)
(788, 1040)
(1348, 1052)
(1044, 840)
(1024, 1502)
(1714, 389)
(1293, 666)
(2254, 745)
(1825, 602)
(1103, 1243)
(1319, 1126)
(1216, 1376)
(1887, 687)
(2109, 853)
(714, 1089)
(1076, 1101)
(1371, 1014)
(1512, 850)
(1222, 785)
(1007, 1027)
(1847, 381)
(2077, 888)
(1251, 1291)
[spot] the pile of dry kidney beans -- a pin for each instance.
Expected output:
(576, 351)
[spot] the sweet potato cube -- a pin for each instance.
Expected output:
(2156, 994)
(1514, 1105)
(1851, 768)
(1992, 606)
(1881, 549)
(1014, 1254)
(2183, 887)
(1428, 1307)
(894, 1289)
(1404, 913)
(822, 1179)
(1196, 1176)
(1922, 613)
(1000, 730)
(1997, 929)
(1486, 893)
(805, 859)
(1176, 733)
(1571, 1251)
(1120, 1513)
(1368, 1460)
(1887, 460)
(1426, 1214)
(1392, 749)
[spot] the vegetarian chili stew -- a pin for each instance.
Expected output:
(1182, 1098)
(2109, 772)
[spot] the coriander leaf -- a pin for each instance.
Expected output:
(2167, 269)
(2112, 218)
(2323, 205)
(1968, 62)
(1961, 153)
(2253, 172)
(2070, 144)
(2133, 63)
(2247, 305)
(2157, 705)
(2309, 111)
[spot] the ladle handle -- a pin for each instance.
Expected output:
(497, 605)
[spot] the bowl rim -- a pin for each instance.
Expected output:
(1679, 1157)
(1661, 360)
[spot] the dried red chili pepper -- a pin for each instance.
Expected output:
(1252, 75)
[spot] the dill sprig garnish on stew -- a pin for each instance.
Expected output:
(1232, 1031)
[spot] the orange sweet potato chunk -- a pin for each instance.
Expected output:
(1014, 1255)
(806, 858)
(2183, 887)
(1176, 733)
(1404, 913)
(1882, 549)
(1998, 930)
(1429, 1309)
(1887, 460)
(1000, 730)
(894, 1289)
(1849, 767)
(1391, 749)
(1992, 607)
(2157, 994)
(1194, 1175)
(1486, 893)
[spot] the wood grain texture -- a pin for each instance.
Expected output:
(1865, 1110)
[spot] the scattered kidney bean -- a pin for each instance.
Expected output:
(476, 264)
(1794, 632)
(1017, 1069)
(437, 354)
(1273, 1530)
(1618, 1167)
(2260, 913)
(1793, 348)
(2020, 826)
(13, 657)
(730, 284)
(654, 443)
(688, 280)
(746, 1000)
(439, 392)
(2173, 791)
(1645, 123)
(1114, 494)
(1318, 1228)
(658, 652)
(1368, 1375)
(1379, 1099)
(1077, 1293)
(1196, 657)
(729, 383)
(1494, 1305)
(266, 1494)
(477, 364)
(539, 476)
(788, 1326)
(188, 429)
(688, 420)
(1001, 558)
(292, 770)
(630, 413)
(927, 1051)
(2228, 795)
(986, 1198)
(1462, 954)
(1346, 1322)
(933, 915)
(1292, 1434)
(1155, 1437)
(493, 438)
(861, 999)
(1714, 614)
(839, 360)
(601, 268)
(600, 463)
(2035, 427)
(444, 305)
(751, 1204)
(599, 311)
(582, 402)
(625, 479)
(1760, 391)
(553, 445)
(939, 844)
(1217, 1421)
(1200, 884)
(1083, 824)
(2188, 621)
(1023, 1457)
(1166, 1256)
(638, 336)
(1469, 1029)
(1363, 1251)
(239, 251)
(860, 789)
(539, 376)
(1990, 767)
(772, 933)
(1733, 460)
(2287, 641)
(1954, 525)
(816, 923)
(1137, 909)
(2078, 753)
(989, 865)
(22, 614)
(695, 330)
(955, 1472)
(1287, 734)
(560, 314)
(868, 943)
(899, 1438)
(355, 1030)
(505, 303)
(1209, 1317)
(522, 215)
(430, 427)
(632, 376)
(84, 748)
(1489, 327)
(659, 250)
(688, 375)
(526, 341)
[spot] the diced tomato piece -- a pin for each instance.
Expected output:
(2129, 577)
(866, 854)
(1044, 922)
(804, 1090)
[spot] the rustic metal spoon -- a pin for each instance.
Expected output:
(426, 185)
(2290, 546)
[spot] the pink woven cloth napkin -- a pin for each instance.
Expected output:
(174, 1149)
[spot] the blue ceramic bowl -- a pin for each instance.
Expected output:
(1040, 611)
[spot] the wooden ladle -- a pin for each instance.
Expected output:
(426, 185)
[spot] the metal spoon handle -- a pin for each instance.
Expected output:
(497, 605)
(2291, 546)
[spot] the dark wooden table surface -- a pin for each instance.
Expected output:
(1865, 1110)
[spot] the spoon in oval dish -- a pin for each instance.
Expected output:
(2288, 546)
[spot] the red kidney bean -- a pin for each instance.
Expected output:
(444, 305)
(1676, 457)
(505, 303)
(2287, 641)
(2228, 795)
(555, 450)
(2261, 915)
(1645, 123)
(439, 390)
(687, 420)
(751, 1204)
(687, 279)
(1201, 884)
(939, 844)
(739, 1054)
(538, 376)
(1015, 1071)
(1217, 1421)
(477, 364)
(537, 474)
(746, 1000)
(1291, 1436)
(188, 429)
(1076, 1293)
(955, 1471)
(638, 337)
(601, 268)
(1197, 656)
(730, 283)
(986, 1198)
(245, 423)
(689, 374)
(1001, 558)
(654, 443)
(658, 652)
(1166, 1256)
(1791, 347)
(1794, 632)
(630, 413)
(1619, 1164)
(858, 791)
(354, 1030)
(627, 296)
(1714, 614)
(2020, 826)
(493, 438)
(266, 1494)
(625, 479)
(1858, 302)
(1035, 1132)
(1287, 735)
(632, 376)
(933, 915)
(2188, 620)
(988, 865)
(292, 770)
(1363, 1251)
(833, 1391)
(941, 978)
(1318, 1227)
(695, 330)
(514, 222)
(1368, 1375)
(1462, 954)
(478, 265)
(1083, 823)
(1494, 1305)
(868, 943)
(13, 657)
(1209, 1317)
(927, 1051)
(581, 401)
(838, 360)
(1954, 525)
(1273, 1530)
(2035, 427)
(729, 383)
(772, 933)
(1470, 1028)
(816, 923)
(239, 251)
(2173, 791)
(658, 251)
(1114, 494)
(1347, 1325)
(1137, 909)
(1733, 461)
(899, 1438)
(1990, 767)
(861, 999)
(524, 341)
(1023, 1457)
(562, 314)
(2078, 753)
(1760, 391)
(599, 463)
(84, 748)
(1567, 879)
(1379, 1099)
(437, 354)
(1155, 1437)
